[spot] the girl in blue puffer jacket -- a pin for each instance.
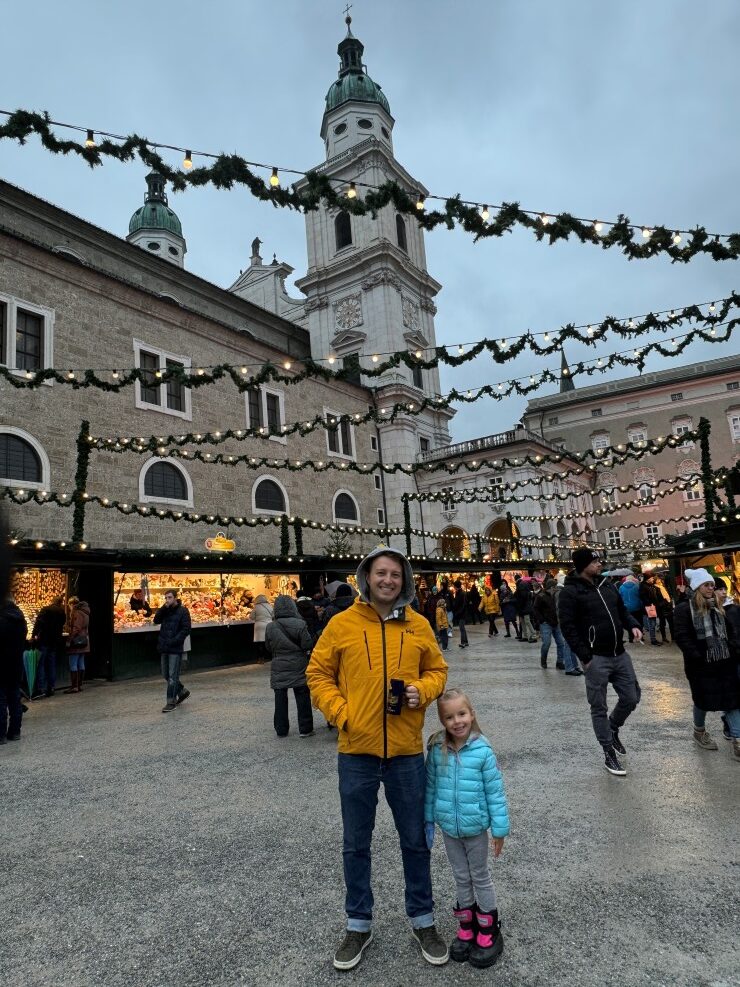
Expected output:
(465, 796)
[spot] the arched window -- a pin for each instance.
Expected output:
(401, 233)
(343, 230)
(345, 507)
(270, 496)
(19, 461)
(165, 481)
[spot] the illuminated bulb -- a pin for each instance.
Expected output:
(157, 373)
(29, 375)
(598, 226)
(417, 354)
(244, 370)
(646, 233)
(676, 238)
(90, 142)
(352, 191)
(71, 374)
(544, 219)
(274, 179)
(712, 307)
(188, 161)
(375, 358)
(287, 364)
(39, 544)
(332, 360)
(420, 203)
(484, 213)
(461, 350)
(115, 375)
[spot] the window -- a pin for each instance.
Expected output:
(351, 365)
(381, 516)
(697, 525)
(553, 420)
(385, 133)
(25, 334)
(19, 461)
(424, 444)
(683, 427)
(345, 507)
(265, 410)
(401, 238)
(693, 492)
(269, 497)
(339, 435)
(652, 533)
(497, 488)
(596, 412)
(637, 434)
(417, 377)
(374, 443)
(378, 481)
(600, 441)
(340, 129)
(614, 538)
(153, 245)
(165, 481)
(733, 385)
(609, 498)
(171, 397)
(734, 420)
(365, 124)
(343, 230)
(646, 493)
(678, 396)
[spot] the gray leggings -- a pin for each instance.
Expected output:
(468, 857)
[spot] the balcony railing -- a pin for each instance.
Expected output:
(487, 442)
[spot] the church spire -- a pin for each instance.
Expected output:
(566, 380)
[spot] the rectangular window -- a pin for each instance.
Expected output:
(417, 376)
(265, 410)
(381, 516)
(733, 385)
(274, 423)
(652, 533)
(374, 443)
(497, 488)
(596, 412)
(378, 482)
(693, 493)
(678, 396)
(637, 435)
(29, 340)
(424, 445)
(600, 441)
(172, 397)
(734, 421)
(609, 498)
(351, 364)
(552, 420)
(254, 407)
(697, 525)
(647, 494)
(339, 435)
(614, 538)
(3, 333)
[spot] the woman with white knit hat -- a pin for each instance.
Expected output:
(710, 653)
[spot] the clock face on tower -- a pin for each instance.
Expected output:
(348, 313)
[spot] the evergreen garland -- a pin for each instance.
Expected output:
(407, 524)
(284, 536)
(229, 170)
(80, 493)
(298, 536)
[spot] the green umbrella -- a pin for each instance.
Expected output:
(30, 663)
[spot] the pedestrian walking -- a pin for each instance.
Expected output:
(174, 620)
(465, 797)
(78, 642)
(13, 630)
(260, 616)
(459, 606)
(489, 606)
(710, 652)
(651, 599)
(665, 610)
(593, 620)
(732, 615)
(474, 599)
(48, 637)
(546, 614)
(442, 627)
(381, 646)
(508, 609)
(524, 603)
(289, 643)
(629, 590)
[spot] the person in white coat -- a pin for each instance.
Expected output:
(260, 617)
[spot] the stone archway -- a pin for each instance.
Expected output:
(455, 541)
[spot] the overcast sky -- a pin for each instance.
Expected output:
(592, 108)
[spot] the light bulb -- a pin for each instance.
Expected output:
(188, 161)
(598, 226)
(646, 232)
(676, 238)
(90, 142)
(544, 219)
(287, 364)
(274, 178)
(712, 307)
(375, 358)
(484, 213)
(420, 203)
(332, 360)
(352, 191)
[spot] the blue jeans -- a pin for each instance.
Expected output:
(10, 710)
(565, 655)
(732, 717)
(46, 671)
(404, 779)
(171, 671)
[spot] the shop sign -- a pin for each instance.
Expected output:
(220, 543)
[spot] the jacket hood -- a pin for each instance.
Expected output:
(82, 607)
(261, 599)
(285, 606)
(408, 591)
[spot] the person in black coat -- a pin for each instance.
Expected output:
(711, 654)
(342, 601)
(47, 636)
(650, 596)
(13, 630)
(174, 621)
(289, 643)
(459, 606)
(308, 612)
(473, 604)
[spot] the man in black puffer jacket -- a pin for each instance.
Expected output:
(174, 619)
(593, 620)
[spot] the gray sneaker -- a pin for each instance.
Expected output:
(350, 949)
(703, 739)
(433, 947)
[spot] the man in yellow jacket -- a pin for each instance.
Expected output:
(373, 673)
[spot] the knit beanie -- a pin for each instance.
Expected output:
(343, 589)
(697, 577)
(582, 557)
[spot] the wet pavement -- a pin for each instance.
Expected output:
(197, 849)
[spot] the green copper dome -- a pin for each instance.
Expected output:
(353, 83)
(155, 214)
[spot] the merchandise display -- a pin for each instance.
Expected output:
(33, 589)
(213, 598)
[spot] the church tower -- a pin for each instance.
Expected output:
(155, 227)
(368, 291)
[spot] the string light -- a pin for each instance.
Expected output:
(188, 161)
(420, 202)
(274, 178)
(90, 141)
(352, 191)
(598, 226)
(484, 214)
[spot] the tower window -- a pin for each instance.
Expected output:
(343, 230)
(417, 377)
(173, 251)
(365, 124)
(340, 129)
(385, 133)
(152, 245)
(401, 233)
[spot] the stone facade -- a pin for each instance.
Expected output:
(638, 409)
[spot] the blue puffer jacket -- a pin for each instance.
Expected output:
(465, 791)
(630, 593)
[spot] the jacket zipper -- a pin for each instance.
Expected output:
(367, 648)
(400, 653)
(385, 691)
(614, 626)
(457, 801)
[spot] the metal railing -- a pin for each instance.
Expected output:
(487, 442)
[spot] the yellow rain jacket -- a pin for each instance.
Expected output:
(356, 657)
(490, 604)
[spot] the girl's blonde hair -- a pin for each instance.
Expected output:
(441, 735)
(704, 605)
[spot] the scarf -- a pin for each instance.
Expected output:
(710, 627)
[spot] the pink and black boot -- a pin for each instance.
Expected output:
(489, 941)
(465, 937)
